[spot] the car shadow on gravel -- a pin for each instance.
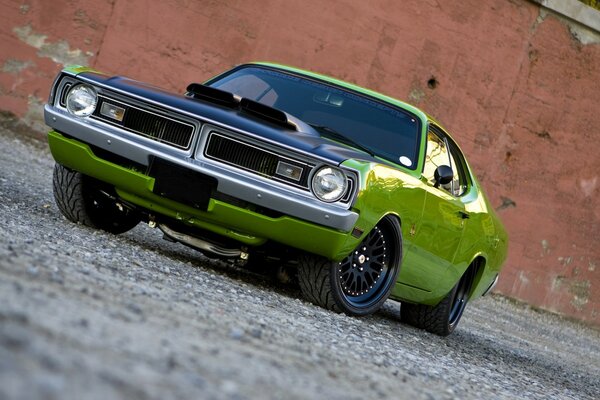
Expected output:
(268, 279)
(179, 253)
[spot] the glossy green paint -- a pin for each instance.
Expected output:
(444, 245)
(237, 223)
(78, 69)
(438, 244)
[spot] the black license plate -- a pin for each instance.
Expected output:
(181, 184)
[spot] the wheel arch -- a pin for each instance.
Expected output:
(391, 216)
(478, 263)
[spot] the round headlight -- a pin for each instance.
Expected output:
(329, 184)
(82, 100)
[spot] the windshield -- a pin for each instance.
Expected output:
(385, 130)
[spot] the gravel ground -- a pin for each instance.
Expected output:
(85, 314)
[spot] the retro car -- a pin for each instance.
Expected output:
(367, 196)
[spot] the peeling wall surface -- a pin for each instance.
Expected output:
(517, 84)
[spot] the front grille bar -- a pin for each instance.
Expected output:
(150, 124)
(253, 158)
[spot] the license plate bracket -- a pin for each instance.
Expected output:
(181, 184)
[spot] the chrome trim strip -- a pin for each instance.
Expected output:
(248, 187)
(492, 286)
(62, 98)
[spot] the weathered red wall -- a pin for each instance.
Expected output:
(517, 89)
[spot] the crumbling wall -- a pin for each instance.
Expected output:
(516, 83)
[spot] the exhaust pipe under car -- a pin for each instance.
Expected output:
(206, 247)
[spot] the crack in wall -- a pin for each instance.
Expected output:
(110, 18)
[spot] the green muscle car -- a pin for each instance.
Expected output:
(368, 197)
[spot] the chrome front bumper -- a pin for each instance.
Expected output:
(235, 183)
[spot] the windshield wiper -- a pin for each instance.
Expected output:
(333, 134)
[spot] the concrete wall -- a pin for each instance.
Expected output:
(516, 83)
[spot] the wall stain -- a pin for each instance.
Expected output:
(416, 95)
(14, 66)
(506, 203)
(34, 117)
(588, 186)
(60, 52)
(581, 293)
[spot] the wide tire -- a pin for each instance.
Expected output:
(359, 284)
(81, 200)
(441, 319)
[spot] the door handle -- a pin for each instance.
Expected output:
(463, 214)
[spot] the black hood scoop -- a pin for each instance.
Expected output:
(207, 93)
(260, 110)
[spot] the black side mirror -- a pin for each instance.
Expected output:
(443, 175)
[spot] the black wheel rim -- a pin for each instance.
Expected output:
(364, 276)
(460, 299)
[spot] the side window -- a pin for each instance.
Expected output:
(440, 151)
(459, 183)
(437, 154)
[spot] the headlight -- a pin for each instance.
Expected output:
(82, 100)
(329, 184)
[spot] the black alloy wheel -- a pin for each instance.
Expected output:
(360, 283)
(362, 274)
(461, 297)
(443, 318)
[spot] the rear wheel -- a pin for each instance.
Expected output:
(361, 282)
(443, 318)
(81, 199)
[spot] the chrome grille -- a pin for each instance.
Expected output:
(149, 124)
(252, 158)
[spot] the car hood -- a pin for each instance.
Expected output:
(307, 141)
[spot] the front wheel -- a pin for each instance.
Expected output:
(81, 199)
(360, 283)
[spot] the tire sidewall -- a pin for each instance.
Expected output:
(75, 195)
